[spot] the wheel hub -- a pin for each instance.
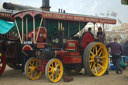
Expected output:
(56, 70)
(32, 69)
(97, 59)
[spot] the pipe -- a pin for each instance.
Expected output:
(12, 6)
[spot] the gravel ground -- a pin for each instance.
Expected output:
(15, 77)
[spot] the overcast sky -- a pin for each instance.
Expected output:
(87, 7)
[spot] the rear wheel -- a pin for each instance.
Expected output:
(54, 70)
(95, 59)
(2, 62)
(30, 71)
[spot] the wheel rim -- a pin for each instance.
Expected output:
(2, 62)
(30, 69)
(54, 70)
(98, 59)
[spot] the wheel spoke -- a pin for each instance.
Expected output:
(92, 53)
(51, 76)
(56, 65)
(35, 73)
(96, 70)
(90, 64)
(103, 57)
(29, 72)
(50, 71)
(101, 66)
(56, 75)
(100, 53)
(60, 70)
(92, 56)
(99, 50)
(31, 64)
(102, 62)
(93, 65)
(91, 60)
(93, 50)
(50, 67)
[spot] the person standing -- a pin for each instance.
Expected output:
(116, 52)
(100, 35)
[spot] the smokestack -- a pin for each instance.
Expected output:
(45, 5)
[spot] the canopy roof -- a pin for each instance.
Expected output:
(5, 26)
(65, 16)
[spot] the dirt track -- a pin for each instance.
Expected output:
(15, 77)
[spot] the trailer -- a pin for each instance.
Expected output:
(45, 42)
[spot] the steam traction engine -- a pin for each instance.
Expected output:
(47, 40)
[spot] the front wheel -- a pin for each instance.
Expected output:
(30, 69)
(54, 70)
(95, 59)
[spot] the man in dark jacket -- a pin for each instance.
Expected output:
(116, 52)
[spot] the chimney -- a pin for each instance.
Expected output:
(45, 5)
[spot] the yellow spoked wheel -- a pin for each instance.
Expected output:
(95, 59)
(54, 70)
(30, 66)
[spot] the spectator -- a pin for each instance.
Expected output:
(116, 52)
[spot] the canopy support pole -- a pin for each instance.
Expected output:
(18, 31)
(39, 29)
(79, 29)
(34, 30)
(94, 29)
(59, 26)
(27, 29)
(22, 31)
